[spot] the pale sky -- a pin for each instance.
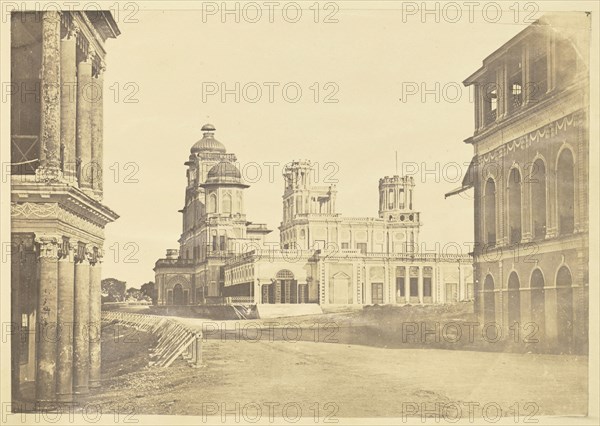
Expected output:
(368, 56)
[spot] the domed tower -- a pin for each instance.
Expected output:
(224, 200)
(396, 208)
(224, 191)
(204, 154)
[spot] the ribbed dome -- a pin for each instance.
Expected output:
(224, 172)
(208, 143)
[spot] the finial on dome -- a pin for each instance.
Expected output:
(208, 141)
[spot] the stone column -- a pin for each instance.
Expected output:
(97, 131)
(46, 321)
(50, 101)
(551, 61)
(407, 284)
(434, 283)
(526, 207)
(16, 258)
(66, 289)
(84, 126)
(420, 284)
(501, 91)
(550, 312)
(528, 88)
(95, 298)
(81, 355)
(68, 101)
(442, 284)
(477, 90)
(525, 305)
(552, 210)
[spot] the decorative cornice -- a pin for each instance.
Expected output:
(67, 197)
(525, 141)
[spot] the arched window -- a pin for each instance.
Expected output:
(565, 177)
(514, 299)
(490, 212)
(227, 204)
(489, 307)
(287, 286)
(285, 274)
(538, 300)
(212, 203)
(538, 198)
(514, 205)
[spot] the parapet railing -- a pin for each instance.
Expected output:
(174, 339)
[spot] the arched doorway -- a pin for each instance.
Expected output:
(489, 307)
(564, 306)
(538, 300)
(514, 299)
(286, 287)
(177, 294)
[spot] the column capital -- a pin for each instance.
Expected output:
(52, 15)
(82, 253)
(72, 31)
(48, 244)
(91, 53)
(95, 256)
(66, 251)
(101, 67)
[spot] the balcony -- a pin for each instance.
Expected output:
(490, 117)
(174, 262)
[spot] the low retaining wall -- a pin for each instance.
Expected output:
(174, 339)
(215, 312)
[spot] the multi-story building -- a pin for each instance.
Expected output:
(58, 219)
(329, 259)
(322, 257)
(530, 177)
(214, 226)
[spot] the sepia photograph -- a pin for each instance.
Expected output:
(299, 212)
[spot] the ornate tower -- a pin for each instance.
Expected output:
(301, 201)
(396, 207)
(301, 197)
(204, 154)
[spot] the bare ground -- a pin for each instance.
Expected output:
(338, 379)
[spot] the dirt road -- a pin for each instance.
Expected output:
(316, 380)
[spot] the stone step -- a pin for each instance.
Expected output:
(279, 310)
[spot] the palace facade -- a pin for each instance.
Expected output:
(530, 175)
(57, 214)
(322, 257)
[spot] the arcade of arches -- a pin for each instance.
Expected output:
(546, 302)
